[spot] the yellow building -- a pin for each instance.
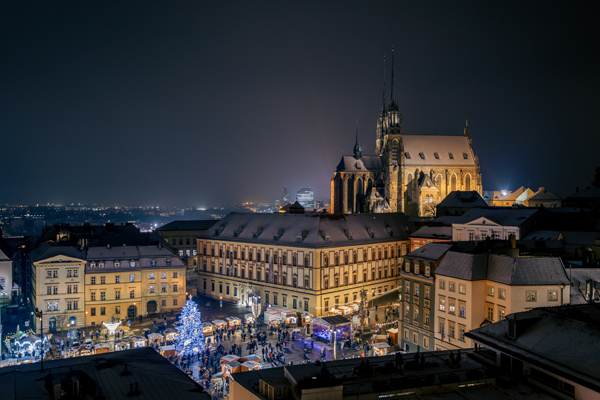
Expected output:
(306, 262)
(126, 282)
(473, 290)
(57, 286)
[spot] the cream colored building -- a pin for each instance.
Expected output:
(182, 236)
(307, 262)
(126, 282)
(473, 290)
(58, 286)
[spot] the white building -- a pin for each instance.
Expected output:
(306, 197)
(495, 223)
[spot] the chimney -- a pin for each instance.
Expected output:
(512, 251)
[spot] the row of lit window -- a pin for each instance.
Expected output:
(53, 273)
(131, 278)
(53, 289)
(131, 293)
(451, 330)
(295, 304)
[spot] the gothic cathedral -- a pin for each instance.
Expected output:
(408, 173)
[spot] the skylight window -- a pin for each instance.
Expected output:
(422, 156)
(465, 156)
(451, 156)
(436, 155)
(407, 155)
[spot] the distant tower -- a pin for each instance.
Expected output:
(306, 197)
(357, 149)
(285, 199)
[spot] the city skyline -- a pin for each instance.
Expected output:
(192, 104)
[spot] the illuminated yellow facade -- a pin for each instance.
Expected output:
(309, 263)
(126, 282)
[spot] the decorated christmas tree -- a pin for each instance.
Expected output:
(190, 339)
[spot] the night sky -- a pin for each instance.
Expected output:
(196, 103)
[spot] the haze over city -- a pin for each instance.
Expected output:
(204, 103)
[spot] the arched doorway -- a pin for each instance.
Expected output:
(151, 307)
(73, 321)
(132, 312)
(52, 323)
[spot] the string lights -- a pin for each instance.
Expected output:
(353, 302)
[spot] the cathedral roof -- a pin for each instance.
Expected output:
(363, 164)
(437, 150)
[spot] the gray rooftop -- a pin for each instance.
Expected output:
(433, 232)
(47, 250)
(102, 374)
(191, 225)
(563, 340)
(311, 230)
(503, 216)
(362, 164)
(462, 199)
(431, 251)
(516, 271)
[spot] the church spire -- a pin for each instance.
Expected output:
(392, 87)
(357, 149)
(383, 93)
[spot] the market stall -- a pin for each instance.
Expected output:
(355, 306)
(275, 322)
(381, 349)
(122, 344)
(393, 334)
(346, 310)
(233, 322)
(249, 319)
(138, 341)
(306, 318)
(170, 335)
(219, 324)
(334, 311)
(379, 339)
(250, 366)
(168, 352)
(28, 345)
(229, 358)
(156, 338)
(101, 348)
(207, 328)
(270, 314)
(231, 368)
(324, 328)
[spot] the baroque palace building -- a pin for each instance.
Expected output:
(407, 173)
(307, 262)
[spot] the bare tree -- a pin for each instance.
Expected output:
(61, 322)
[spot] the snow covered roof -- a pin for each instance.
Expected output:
(431, 251)
(433, 232)
(192, 225)
(563, 340)
(462, 199)
(437, 150)
(362, 164)
(515, 271)
(500, 215)
(311, 230)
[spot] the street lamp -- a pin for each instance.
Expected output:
(40, 315)
(85, 326)
(221, 304)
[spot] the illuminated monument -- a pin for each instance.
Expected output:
(408, 173)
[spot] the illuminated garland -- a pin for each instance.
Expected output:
(388, 323)
(353, 302)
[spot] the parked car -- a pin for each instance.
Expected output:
(75, 344)
(88, 344)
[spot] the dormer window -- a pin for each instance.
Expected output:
(153, 263)
(465, 156)
(451, 156)
(407, 155)
(132, 264)
(436, 155)
(92, 265)
(101, 265)
(422, 155)
(117, 264)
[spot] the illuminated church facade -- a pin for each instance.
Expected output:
(408, 173)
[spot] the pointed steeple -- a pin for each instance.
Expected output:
(357, 149)
(468, 134)
(383, 93)
(392, 87)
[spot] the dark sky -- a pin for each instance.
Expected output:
(196, 102)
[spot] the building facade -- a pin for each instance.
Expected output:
(407, 173)
(58, 286)
(126, 282)
(182, 236)
(307, 262)
(477, 289)
(306, 197)
(418, 296)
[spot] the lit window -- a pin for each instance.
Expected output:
(552, 295)
(131, 278)
(490, 291)
(502, 293)
(442, 304)
(531, 295)
(462, 289)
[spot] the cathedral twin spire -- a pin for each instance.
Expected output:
(390, 120)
